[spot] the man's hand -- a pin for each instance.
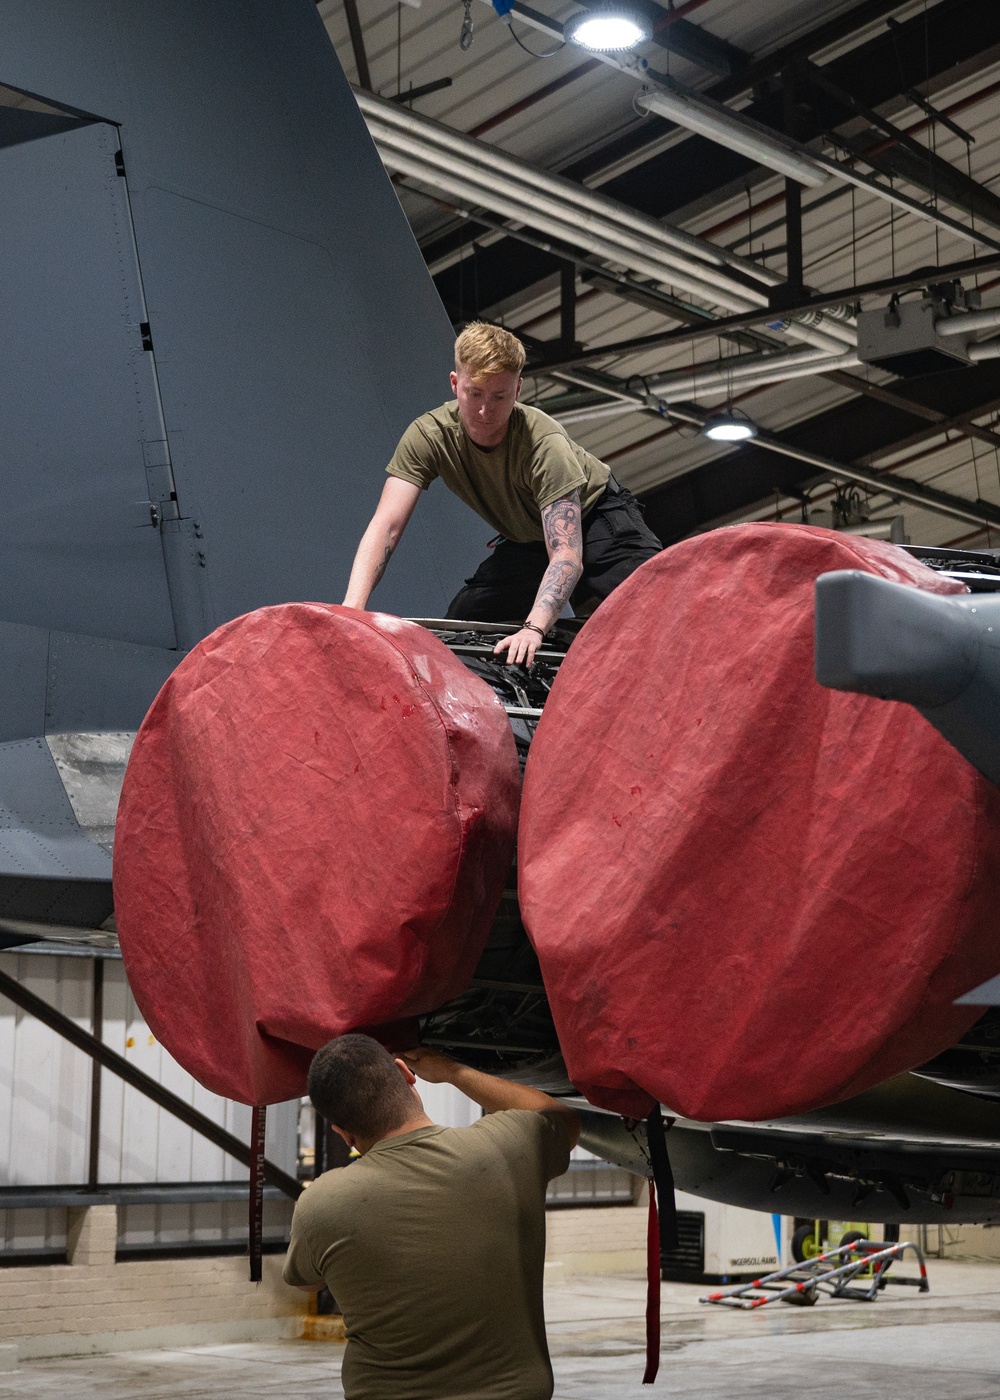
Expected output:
(430, 1065)
(520, 648)
(487, 1090)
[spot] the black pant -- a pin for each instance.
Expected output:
(616, 541)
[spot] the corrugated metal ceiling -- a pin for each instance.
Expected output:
(848, 238)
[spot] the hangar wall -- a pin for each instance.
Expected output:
(45, 1127)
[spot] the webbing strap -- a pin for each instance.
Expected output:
(258, 1127)
(659, 1160)
(652, 1289)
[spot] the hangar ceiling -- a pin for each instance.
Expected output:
(661, 231)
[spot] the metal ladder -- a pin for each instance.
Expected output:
(832, 1273)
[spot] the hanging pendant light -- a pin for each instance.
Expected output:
(608, 28)
(729, 426)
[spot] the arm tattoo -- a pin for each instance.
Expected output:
(563, 529)
(557, 584)
(562, 524)
(383, 563)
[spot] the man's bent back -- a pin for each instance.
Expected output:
(433, 1244)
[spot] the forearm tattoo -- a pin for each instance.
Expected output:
(383, 563)
(558, 582)
(563, 528)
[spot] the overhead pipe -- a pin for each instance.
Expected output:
(506, 196)
(985, 350)
(739, 366)
(717, 378)
(463, 186)
(968, 322)
(929, 497)
(603, 410)
(608, 237)
(403, 154)
(685, 250)
(694, 383)
(433, 133)
(703, 115)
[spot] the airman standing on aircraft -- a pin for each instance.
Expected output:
(566, 527)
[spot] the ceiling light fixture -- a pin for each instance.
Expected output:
(607, 29)
(729, 427)
(697, 112)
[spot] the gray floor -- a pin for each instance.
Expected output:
(942, 1346)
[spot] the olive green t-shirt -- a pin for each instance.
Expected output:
(508, 485)
(433, 1244)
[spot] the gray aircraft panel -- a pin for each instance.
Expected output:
(988, 994)
(57, 682)
(93, 683)
(17, 126)
(63, 52)
(39, 832)
(213, 306)
(295, 330)
(77, 547)
(24, 657)
(289, 481)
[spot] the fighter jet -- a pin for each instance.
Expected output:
(216, 324)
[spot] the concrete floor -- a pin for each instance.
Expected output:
(941, 1346)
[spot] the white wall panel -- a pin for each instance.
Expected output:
(45, 1092)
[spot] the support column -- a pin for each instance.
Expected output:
(567, 304)
(793, 235)
(97, 1030)
(793, 194)
(91, 1235)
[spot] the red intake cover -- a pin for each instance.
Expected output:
(315, 829)
(750, 895)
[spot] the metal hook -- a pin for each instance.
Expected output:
(465, 38)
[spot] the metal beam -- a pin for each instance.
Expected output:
(942, 422)
(629, 287)
(941, 502)
(358, 43)
(671, 179)
(424, 90)
(902, 154)
(690, 105)
(673, 32)
(143, 1083)
(727, 487)
(921, 277)
(97, 1027)
(123, 1193)
(567, 304)
(822, 37)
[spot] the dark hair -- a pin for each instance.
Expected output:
(355, 1083)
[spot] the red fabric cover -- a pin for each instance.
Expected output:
(749, 895)
(315, 829)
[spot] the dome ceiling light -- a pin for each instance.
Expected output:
(729, 427)
(608, 29)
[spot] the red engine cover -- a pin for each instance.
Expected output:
(749, 895)
(315, 829)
